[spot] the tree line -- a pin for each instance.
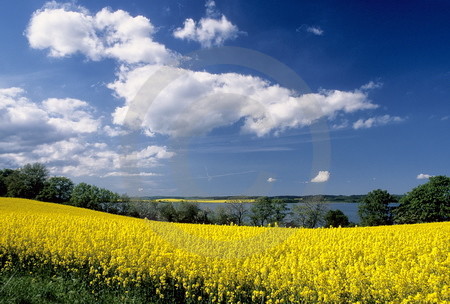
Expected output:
(264, 211)
(33, 181)
(429, 202)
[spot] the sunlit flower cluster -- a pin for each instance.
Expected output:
(233, 264)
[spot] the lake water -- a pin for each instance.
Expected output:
(349, 209)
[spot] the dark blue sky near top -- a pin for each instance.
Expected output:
(396, 53)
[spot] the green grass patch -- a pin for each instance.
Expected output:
(26, 287)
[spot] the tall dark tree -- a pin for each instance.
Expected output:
(28, 181)
(56, 189)
(82, 195)
(188, 212)
(35, 176)
(336, 218)
(279, 210)
(3, 187)
(16, 186)
(4, 181)
(374, 210)
(106, 196)
(261, 211)
(168, 212)
(429, 202)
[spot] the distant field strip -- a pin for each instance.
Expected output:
(231, 264)
(178, 200)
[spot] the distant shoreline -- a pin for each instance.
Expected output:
(248, 199)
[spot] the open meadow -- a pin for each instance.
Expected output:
(167, 262)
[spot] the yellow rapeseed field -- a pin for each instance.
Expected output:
(231, 264)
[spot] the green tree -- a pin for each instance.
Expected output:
(374, 210)
(28, 181)
(143, 209)
(238, 212)
(429, 202)
(106, 196)
(189, 212)
(122, 206)
(261, 211)
(4, 181)
(56, 189)
(336, 218)
(168, 212)
(3, 187)
(16, 185)
(311, 213)
(82, 195)
(35, 176)
(92, 197)
(279, 210)
(222, 216)
(268, 211)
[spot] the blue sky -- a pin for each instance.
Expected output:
(228, 97)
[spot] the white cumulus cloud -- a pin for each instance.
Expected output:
(193, 103)
(26, 124)
(77, 157)
(67, 29)
(114, 131)
(71, 115)
(271, 180)
(321, 177)
(209, 31)
(424, 176)
(56, 132)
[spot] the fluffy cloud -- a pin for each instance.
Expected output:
(315, 30)
(76, 157)
(183, 102)
(321, 177)
(179, 102)
(114, 131)
(26, 124)
(67, 29)
(424, 176)
(376, 121)
(209, 31)
(56, 132)
(70, 115)
(271, 180)
(98, 158)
